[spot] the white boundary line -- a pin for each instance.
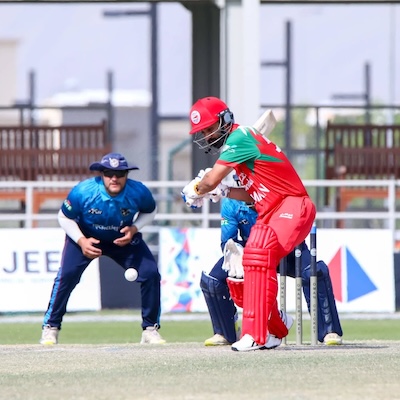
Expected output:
(171, 317)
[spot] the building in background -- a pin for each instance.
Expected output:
(74, 45)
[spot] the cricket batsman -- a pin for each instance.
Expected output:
(285, 211)
(237, 219)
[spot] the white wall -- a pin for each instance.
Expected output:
(8, 70)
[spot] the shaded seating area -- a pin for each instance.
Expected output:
(43, 153)
(361, 152)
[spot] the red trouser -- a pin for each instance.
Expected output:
(271, 238)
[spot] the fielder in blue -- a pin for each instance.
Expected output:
(103, 215)
(237, 218)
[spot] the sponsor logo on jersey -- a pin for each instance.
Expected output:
(67, 205)
(106, 227)
(286, 215)
(95, 211)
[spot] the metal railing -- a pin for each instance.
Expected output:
(178, 214)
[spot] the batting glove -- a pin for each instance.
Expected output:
(232, 180)
(193, 203)
(202, 172)
(218, 193)
(189, 194)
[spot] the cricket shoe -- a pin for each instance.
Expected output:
(247, 343)
(216, 340)
(151, 336)
(49, 335)
(272, 340)
(332, 339)
(286, 319)
(219, 340)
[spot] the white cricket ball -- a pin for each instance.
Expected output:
(131, 274)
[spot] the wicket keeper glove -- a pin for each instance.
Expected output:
(233, 259)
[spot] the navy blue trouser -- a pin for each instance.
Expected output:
(74, 263)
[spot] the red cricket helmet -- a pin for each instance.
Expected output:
(206, 112)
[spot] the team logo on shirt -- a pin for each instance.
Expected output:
(226, 147)
(95, 211)
(125, 211)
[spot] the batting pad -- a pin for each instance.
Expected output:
(260, 285)
(220, 306)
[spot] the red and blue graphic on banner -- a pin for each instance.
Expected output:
(349, 280)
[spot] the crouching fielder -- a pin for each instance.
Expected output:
(285, 211)
(103, 216)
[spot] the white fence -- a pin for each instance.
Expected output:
(173, 212)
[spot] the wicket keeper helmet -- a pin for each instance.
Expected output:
(206, 112)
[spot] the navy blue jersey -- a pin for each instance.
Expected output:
(102, 216)
(237, 218)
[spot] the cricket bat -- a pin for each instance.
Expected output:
(266, 123)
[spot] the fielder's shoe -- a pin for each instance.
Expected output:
(272, 340)
(151, 336)
(332, 339)
(247, 343)
(216, 340)
(49, 335)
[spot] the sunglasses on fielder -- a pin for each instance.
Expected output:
(109, 173)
